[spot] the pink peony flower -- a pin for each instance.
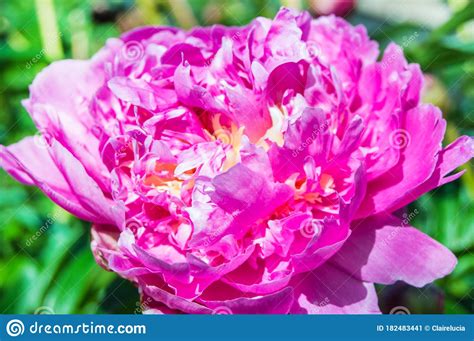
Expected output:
(257, 169)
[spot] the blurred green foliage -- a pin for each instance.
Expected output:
(45, 258)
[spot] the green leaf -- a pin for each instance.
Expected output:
(66, 293)
(447, 215)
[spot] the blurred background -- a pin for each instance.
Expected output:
(46, 265)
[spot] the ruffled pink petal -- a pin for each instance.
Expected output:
(183, 52)
(385, 250)
(60, 176)
(321, 247)
(87, 192)
(422, 136)
(104, 243)
(456, 154)
(329, 290)
(242, 197)
(67, 117)
(173, 301)
(276, 303)
(142, 94)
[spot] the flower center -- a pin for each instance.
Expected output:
(163, 179)
(314, 195)
(275, 132)
(229, 136)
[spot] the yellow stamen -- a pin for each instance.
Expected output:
(164, 179)
(327, 183)
(275, 132)
(232, 137)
